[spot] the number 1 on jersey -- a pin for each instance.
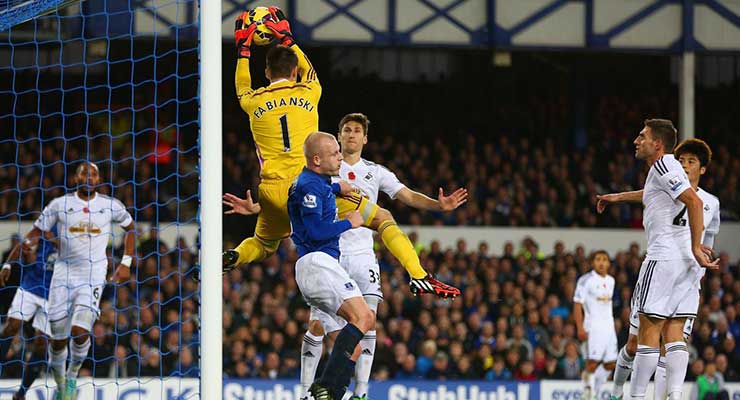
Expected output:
(286, 135)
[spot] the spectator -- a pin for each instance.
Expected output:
(710, 385)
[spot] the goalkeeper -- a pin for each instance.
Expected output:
(281, 116)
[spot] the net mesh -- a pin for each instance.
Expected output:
(115, 83)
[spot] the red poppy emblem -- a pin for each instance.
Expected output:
(86, 210)
(351, 175)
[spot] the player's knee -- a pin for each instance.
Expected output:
(315, 328)
(59, 344)
(79, 334)
(381, 216)
(269, 247)
(366, 320)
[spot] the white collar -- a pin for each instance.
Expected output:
(278, 81)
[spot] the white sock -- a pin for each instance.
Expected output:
(622, 372)
(364, 364)
(646, 360)
(676, 362)
(57, 363)
(660, 379)
(311, 350)
(600, 376)
(588, 380)
(79, 353)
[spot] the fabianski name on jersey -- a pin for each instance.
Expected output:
(283, 102)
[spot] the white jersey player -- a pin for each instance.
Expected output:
(356, 246)
(679, 245)
(84, 221)
(592, 309)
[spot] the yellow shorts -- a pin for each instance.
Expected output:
(273, 222)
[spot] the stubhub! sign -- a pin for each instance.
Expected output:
(258, 389)
(390, 390)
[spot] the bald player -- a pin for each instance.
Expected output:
(323, 282)
(84, 223)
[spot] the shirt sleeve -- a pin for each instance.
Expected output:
(579, 296)
(120, 215)
(389, 183)
(671, 176)
(48, 218)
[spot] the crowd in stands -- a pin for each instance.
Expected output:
(514, 320)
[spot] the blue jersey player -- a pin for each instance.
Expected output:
(30, 301)
(323, 282)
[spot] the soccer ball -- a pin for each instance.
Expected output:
(262, 36)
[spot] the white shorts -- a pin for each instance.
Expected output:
(364, 269)
(667, 289)
(73, 303)
(601, 346)
(325, 285)
(27, 305)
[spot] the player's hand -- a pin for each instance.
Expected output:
(453, 201)
(243, 33)
(582, 335)
(280, 26)
(355, 218)
(122, 274)
(346, 188)
(604, 199)
(243, 206)
(4, 276)
(704, 255)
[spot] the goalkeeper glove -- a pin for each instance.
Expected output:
(280, 26)
(243, 35)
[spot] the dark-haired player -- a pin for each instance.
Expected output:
(694, 155)
(592, 309)
(281, 116)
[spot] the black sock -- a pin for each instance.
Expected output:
(340, 367)
(31, 371)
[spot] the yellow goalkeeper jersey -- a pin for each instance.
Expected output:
(281, 116)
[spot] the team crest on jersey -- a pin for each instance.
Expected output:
(348, 286)
(674, 183)
(309, 201)
(85, 227)
(706, 207)
(369, 176)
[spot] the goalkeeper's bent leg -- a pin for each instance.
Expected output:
(398, 243)
(255, 249)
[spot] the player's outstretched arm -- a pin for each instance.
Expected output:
(604, 199)
(243, 39)
(443, 203)
(25, 246)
